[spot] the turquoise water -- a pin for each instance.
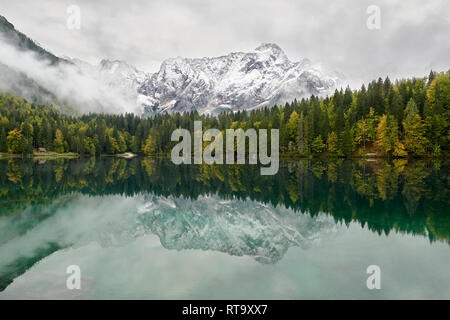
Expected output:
(145, 228)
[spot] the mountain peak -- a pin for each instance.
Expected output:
(270, 47)
(18, 40)
(237, 81)
(106, 63)
(272, 51)
(3, 19)
(6, 27)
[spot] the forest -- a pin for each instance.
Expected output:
(405, 118)
(397, 196)
(386, 195)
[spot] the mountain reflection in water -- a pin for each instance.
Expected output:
(232, 209)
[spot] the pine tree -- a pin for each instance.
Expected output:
(302, 140)
(332, 143)
(58, 143)
(149, 147)
(3, 142)
(415, 141)
(292, 126)
(347, 141)
(387, 136)
(317, 145)
(362, 132)
(111, 145)
(122, 143)
(431, 76)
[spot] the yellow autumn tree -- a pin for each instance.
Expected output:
(150, 146)
(59, 141)
(415, 141)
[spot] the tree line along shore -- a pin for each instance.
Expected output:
(406, 118)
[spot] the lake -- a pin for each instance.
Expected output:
(144, 228)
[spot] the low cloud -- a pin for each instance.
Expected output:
(81, 88)
(413, 37)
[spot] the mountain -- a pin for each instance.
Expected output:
(20, 41)
(117, 78)
(237, 81)
(70, 85)
(17, 82)
(235, 227)
(114, 73)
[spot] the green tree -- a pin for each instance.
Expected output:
(387, 137)
(111, 145)
(372, 122)
(415, 141)
(362, 132)
(122, 143)
(332, 143)
(317, 145)
(292, 126)
(302, 135)
(149, 147)
(3, 142)
(58, 143)
(16, 142)
(347, 140)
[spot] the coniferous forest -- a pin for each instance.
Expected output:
(406, 118)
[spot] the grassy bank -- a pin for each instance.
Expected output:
(55, 155)
(9, 155)
(44, 155)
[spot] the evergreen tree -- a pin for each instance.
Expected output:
(332, 143)
(415, 141)
(150, 146)
(3, 142)
(317, 145)
(58, 143)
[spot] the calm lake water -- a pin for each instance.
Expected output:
(145, 228)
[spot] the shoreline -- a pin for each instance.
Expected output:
(130, 155)
(35, 155)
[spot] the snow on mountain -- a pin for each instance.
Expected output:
(117, 76)
(118, 73)
(237, 81)
(235, 227)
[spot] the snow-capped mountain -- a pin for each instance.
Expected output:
(235, 227)
(237, 81)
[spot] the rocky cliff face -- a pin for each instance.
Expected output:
(237, 81)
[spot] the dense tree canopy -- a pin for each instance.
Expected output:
(407, 118)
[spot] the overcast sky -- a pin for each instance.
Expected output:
(414, 35)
